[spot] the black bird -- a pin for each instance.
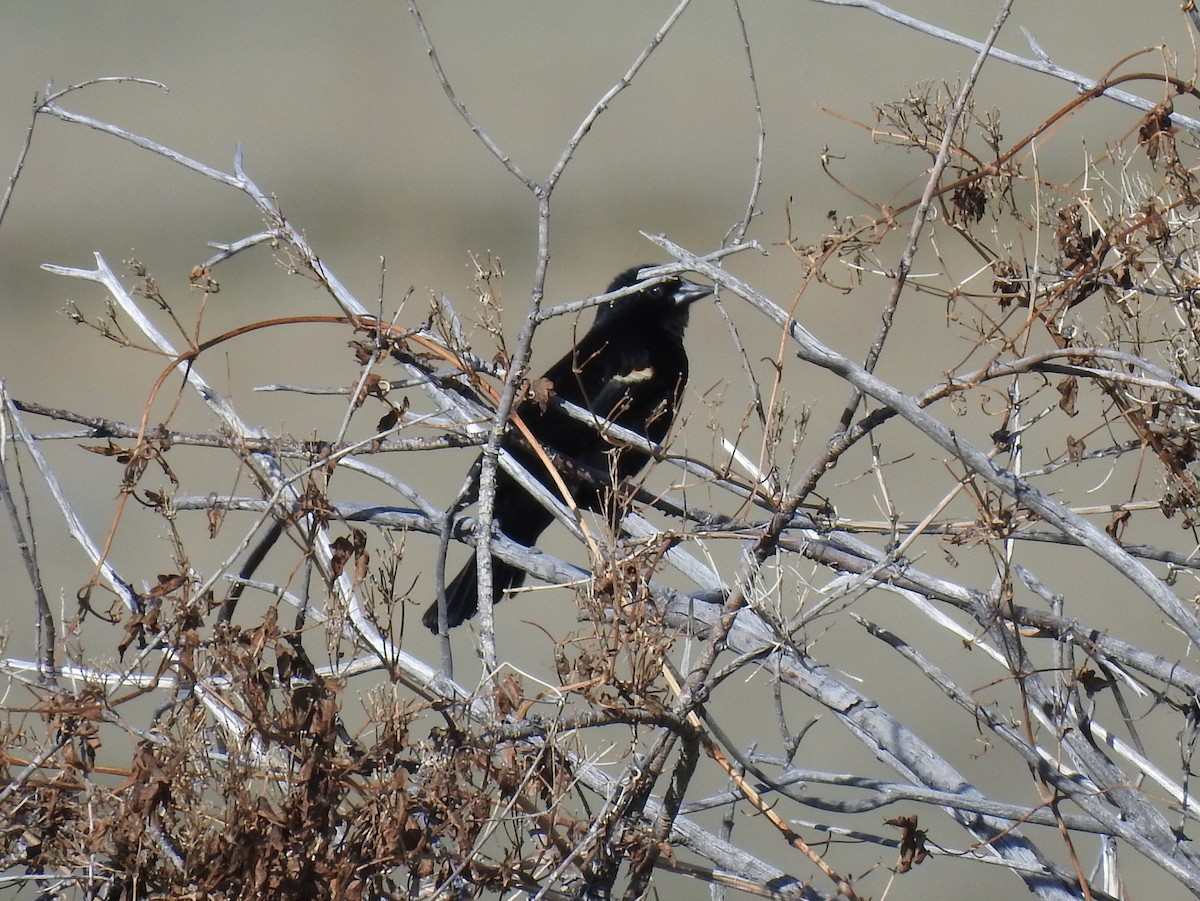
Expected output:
(630, 368)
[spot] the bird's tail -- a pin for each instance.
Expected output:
(522, 519)
(462, 594)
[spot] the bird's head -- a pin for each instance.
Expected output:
(665, 302)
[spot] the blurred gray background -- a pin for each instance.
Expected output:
(341, 118)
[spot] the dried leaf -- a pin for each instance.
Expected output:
(1075, 448)
(912, 842)
(340, 552)
(201, 277)
(969, 202)
(1116, 526)
(123, 454)
(1068, 393)
(386, 423)
(540, 392)
(167, 582)
(373, 385)
(1092, 681)
(1157, 134)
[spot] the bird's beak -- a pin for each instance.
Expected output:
(688, 292)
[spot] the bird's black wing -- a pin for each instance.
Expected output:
(626, 379)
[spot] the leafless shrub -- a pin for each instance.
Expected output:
(584, 762)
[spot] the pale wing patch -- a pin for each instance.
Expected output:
(635, 376)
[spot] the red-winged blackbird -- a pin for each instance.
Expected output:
(630, 368)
